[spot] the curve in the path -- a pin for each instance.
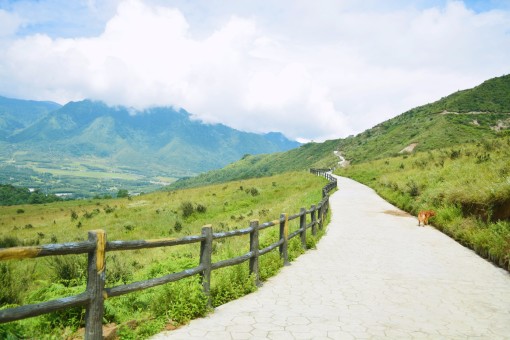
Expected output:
(375, 274)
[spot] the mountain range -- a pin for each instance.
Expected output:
(166, 144)
(90, 136)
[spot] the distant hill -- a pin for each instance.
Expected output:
(93, 140)
(462, 117)
(161, 139)
(16, 114)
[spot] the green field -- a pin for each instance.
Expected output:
(84, 179)
(226, 206)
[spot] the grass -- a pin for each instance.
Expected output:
(468, 186)
(227, 206)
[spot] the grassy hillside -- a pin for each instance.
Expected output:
(467, 185)
(463, 117)
(318, 155)
(162, 214)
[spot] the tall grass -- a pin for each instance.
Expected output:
(226, 206)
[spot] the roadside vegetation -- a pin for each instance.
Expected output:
(467, 185)
(178, 213)
(10, 195)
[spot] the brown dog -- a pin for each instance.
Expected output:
(423, 216)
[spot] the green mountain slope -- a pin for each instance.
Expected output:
(92, 140)
(16, 114)
(465, 116)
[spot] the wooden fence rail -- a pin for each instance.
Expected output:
(96, 247)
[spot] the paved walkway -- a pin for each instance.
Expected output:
(375, 274)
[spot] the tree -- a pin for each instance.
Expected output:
(122, 193)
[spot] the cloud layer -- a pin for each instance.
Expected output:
(313, 70)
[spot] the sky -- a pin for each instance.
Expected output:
(313, 70)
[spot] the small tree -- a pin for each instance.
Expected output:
(122, 193)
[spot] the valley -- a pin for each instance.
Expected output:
(87, 148)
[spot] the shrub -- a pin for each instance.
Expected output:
(181, 301)
(10, 292)
(177, 226)
(10, 241)
(69, 270)
(187, 209)
(118, 270)
(69, 317)
(232, 283)
(413, 188)
(454, 154)
(20, 211)
(122, 193)
(201, 208)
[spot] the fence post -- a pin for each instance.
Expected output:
(284, 235)
(302, 227)
(206, 261)
(320, 215)
(314, 220)
(254, 248)
(95, 286)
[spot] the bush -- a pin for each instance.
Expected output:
(69, 317)
(10, 241)
(117, 270)
(232, 283)
(201, 208)
(177, 226)
(187, 209)
(122, 193)
(10, 292)
(413, 188)
(69, 270)
(181, 301)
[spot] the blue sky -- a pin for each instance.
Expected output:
(313, 70)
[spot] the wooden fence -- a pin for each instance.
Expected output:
(97, 246)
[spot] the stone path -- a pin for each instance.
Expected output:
(374, 275)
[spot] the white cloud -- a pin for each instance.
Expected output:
(9, 23)
(312, 70)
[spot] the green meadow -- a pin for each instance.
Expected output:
(468, 186)
(162, 214)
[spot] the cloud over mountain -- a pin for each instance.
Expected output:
(311, 70)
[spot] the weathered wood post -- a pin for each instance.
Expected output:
(206, 261)
(95, 286)
(284, 236)
(254, 248)
(314, 219)
(320, 216)
(302, 227)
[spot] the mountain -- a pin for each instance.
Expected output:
(16, 114)
(86, 138)
(465, 116)
(462, 117)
